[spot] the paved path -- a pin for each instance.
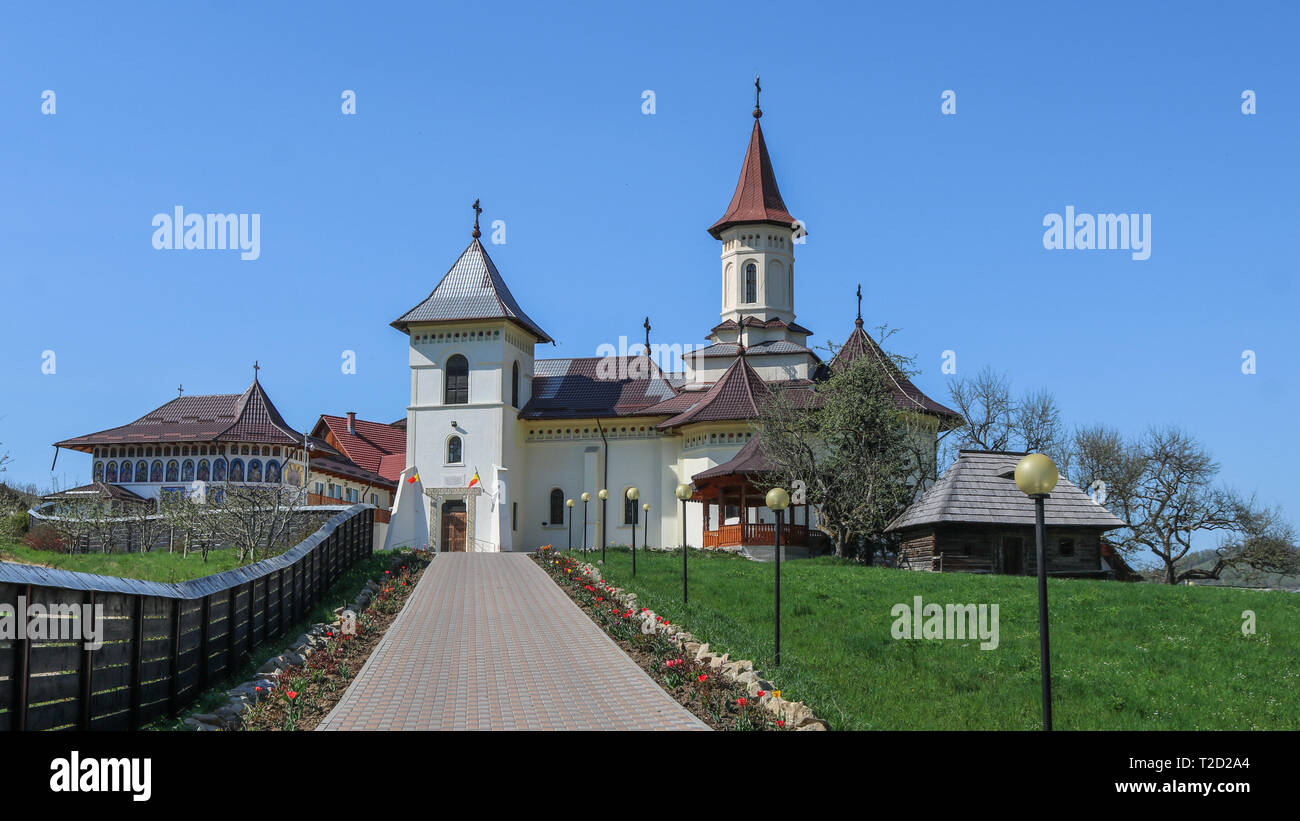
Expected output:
(488, 642)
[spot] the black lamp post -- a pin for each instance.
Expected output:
(569, 504)
(604, 522)
(645, 526)
(778, 500)
(633, 494)
(1036, 476)
(586, 497)
(683, 493)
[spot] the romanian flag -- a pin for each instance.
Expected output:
(473, 481)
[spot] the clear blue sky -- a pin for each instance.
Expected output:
(1132, 107)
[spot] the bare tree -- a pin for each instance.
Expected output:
(257, 518)
(985, 402)
(145, 525)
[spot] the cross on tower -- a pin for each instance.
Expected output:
(256, 368)
(180, 390)
(646, 325)
(477, 211)
(859, 322)
(758, 112)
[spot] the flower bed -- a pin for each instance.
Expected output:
(725, 694)
(299, 696)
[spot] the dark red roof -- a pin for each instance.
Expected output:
(230, 417)
(749, 460)
(906, 395)
(757, 199)
(755, 322)
(734, 396)
(595, 386)
(374, 446)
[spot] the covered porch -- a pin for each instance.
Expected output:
(735, 507)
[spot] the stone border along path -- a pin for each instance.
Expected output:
(488, 642)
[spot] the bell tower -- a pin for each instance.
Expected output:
(757, 234)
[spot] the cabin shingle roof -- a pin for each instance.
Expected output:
(978, 489)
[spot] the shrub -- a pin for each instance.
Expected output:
(44, 537)
(13, 524)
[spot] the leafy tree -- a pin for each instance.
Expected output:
(848, 446)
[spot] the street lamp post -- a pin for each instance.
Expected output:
(586, 497)
(645, 526)
(569, 504)
(778, 500)
(633, 494)
(604, 522)
(1036, 476)
(683, 493)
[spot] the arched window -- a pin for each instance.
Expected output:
(273, 471)
(631, 510)
(187, 470)
(110, 473)
(142, 471)
(454, 451)
(557, 507)
(254, 470)
(204, 473)
(173, 470)
(236, 470)
(126, 472)
(219, 470)
(98, 474)
(751, 283)
(155, 471)
(514, 385)
(457, 392)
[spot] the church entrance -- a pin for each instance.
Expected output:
(453, 526)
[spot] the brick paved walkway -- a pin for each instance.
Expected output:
(488, 642)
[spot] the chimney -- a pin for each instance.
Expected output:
(352, 423)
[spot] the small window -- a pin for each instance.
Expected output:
(454, 451)
(457, 392)
(751, 283)
(631, 510)
(514, 385)
(557, 506)
(1065, 547)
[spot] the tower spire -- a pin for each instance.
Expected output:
(477, 210)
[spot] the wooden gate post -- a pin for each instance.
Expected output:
(137, 656)
(173, 685)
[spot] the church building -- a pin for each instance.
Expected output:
(498, 441)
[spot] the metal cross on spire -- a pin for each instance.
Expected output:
(256, 368)
(646, 325)
(859, 322)
(758, 112)
(180, 390)
(477, 211)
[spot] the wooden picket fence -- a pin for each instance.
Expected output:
(162, 643)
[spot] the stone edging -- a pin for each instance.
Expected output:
(241, 699)
(795, 714)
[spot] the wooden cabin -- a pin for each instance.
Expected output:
(975, 520)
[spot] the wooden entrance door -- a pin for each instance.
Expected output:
(453, 526)
(1013, 555)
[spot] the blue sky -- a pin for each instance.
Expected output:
(1125, 107)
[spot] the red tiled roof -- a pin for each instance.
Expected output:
(246, 417)
(374, 446)
(757, 199)
(906, 395)
(595, 386)
(750, 459)
(735, 395)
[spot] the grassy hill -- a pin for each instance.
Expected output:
(154, 566)
(1124, 656)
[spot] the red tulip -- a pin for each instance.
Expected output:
(703, 677)
(292, 694)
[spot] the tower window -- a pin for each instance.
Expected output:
(457, 381)
(557, 507)
(514, 385)
(751, 283)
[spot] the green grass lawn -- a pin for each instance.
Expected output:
(154, 566)
(1124, 656)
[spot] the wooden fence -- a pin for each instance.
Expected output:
(162, 643)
